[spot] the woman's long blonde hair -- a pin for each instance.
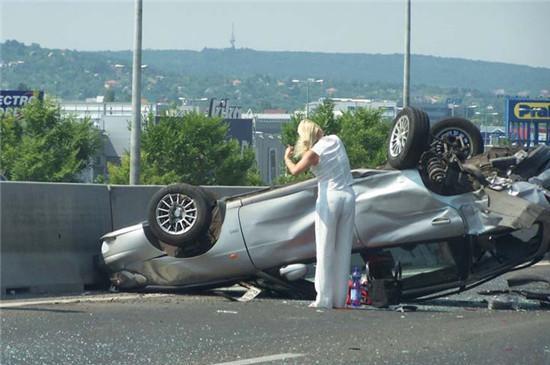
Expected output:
(309, 133)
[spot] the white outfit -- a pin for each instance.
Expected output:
(334, 222)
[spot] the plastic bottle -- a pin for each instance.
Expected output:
(355, 292)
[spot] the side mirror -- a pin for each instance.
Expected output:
(293, 272)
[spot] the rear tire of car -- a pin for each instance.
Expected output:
(409, 137)
(179, 214)
(463, 128)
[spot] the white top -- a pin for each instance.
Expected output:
(333, 170)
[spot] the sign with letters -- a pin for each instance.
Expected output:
(14, 99)
(528, 110)
(528, 121)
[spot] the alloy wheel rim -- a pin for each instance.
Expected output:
(460, 138)
(399, 136)
(176, 213)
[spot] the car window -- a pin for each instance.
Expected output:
(424, 258)
(423, 265)
(499, 250)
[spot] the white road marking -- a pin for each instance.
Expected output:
(542, 263)
(80, 299)
(257, 360)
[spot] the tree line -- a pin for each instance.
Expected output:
(261, 80)
(39, 143)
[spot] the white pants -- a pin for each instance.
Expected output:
(334, 218)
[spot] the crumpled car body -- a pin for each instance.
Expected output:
(441, 243)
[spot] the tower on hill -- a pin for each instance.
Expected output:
(232, 40)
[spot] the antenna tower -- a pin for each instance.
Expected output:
(232, 40)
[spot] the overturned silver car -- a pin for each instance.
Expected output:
(449, 216)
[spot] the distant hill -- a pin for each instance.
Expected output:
(426, 70)
(258, 79)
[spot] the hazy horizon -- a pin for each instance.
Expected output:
(511, 32)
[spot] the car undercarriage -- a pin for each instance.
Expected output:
(443, 216)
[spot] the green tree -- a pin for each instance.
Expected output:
(323, 116)
(289, 136)
(39, 144)
(193, 149)
(22, 87)
(364, 133)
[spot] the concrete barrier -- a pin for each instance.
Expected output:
(49, 232)
(129, 203)
(49, 235)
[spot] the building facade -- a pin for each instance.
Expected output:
(343, 105)
(113, 119)
(268, 148)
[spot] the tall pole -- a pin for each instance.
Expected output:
(135, 148)
(307, 98)
(407, 55)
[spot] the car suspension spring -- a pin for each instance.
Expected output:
(436, 167)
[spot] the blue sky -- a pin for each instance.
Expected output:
(492, 30)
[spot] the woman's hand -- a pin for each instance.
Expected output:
(307, 160)
(289, 152)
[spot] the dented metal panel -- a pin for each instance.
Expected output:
(488, 210)
(227, 259)
(275, 227)
(280, 230)
(395, 207)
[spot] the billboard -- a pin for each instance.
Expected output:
(528, 121)
(14, 99)
(522, 110)
(240, 129)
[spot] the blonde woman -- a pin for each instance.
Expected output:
(334, 209)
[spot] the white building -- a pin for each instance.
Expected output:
(268, 148)
(343, 105)
(114, 120)
(98, 110)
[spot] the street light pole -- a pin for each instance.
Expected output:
(407, 55)
(307, 98)
(135, 138)
(307, 82)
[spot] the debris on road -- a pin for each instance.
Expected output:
(226, 311)
(250, 294)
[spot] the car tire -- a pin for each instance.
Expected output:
(456, 128)
(179, 214)
(409, 137)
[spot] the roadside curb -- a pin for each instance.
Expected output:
(95, 297)
(13, 303)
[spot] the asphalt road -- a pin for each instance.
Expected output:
(190, 328)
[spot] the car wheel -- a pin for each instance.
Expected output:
(409, 137)
(179, 214)
(460, 133)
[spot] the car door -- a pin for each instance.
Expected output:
(278, 226)
(394, 207)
